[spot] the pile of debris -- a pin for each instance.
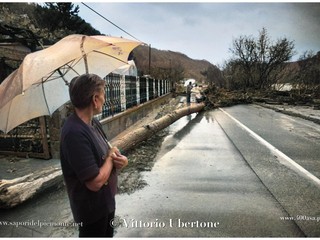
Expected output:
(218, 97)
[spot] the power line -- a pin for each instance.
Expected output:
(110, 21)
(123, 31)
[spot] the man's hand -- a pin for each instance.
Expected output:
(119, 160)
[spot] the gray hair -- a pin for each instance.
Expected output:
(82, 89)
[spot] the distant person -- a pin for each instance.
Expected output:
(88, 163)
(189, 88)
(196, 95)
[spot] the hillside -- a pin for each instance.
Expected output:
(31, 25)
(303, 71)
(166, 62)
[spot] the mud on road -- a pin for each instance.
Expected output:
(142, 156)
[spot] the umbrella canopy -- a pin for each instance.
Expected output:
(71, 56)
(36, 101)
(43, 94)
(186, 83)
(129, 69)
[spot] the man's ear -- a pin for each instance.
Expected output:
(94, 99)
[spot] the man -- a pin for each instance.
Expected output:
(88, 163)
(189, 88)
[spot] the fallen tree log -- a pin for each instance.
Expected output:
(131, 139)
(18, 190)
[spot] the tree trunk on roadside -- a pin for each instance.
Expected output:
(133, 138)
(18, 190)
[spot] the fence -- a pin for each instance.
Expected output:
(27, 140)
(123, 92)
(35, 137)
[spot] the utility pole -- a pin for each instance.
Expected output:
(149, 59)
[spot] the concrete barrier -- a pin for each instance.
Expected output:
(111, 125)
(120, 122)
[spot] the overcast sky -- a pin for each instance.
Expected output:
(206, 30)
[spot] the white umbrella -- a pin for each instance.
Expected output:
(49, 92)
(72, 55)
(33, 103)
(192, 81)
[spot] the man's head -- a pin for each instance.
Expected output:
(83, 88)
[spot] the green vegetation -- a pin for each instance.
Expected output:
(35, 25)
(42, 23)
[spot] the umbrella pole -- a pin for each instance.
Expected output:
(84, 55)
(109, 144)
(45, 99)
(61, 75)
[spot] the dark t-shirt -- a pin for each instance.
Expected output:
(82, 153)
(189, 88)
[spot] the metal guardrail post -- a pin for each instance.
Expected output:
(138, 90)
(123, 97)
(131, 95)
(156, 87)
(147, 90)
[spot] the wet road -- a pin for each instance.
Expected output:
(297, 138)
(212, 178)
(47, 215)
(284, 152)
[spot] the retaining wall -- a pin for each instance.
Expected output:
(118, 123)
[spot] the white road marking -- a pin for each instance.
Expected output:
(276, 151)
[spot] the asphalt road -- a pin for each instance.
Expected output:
(297, 138)
(284, 152)
(222, 173)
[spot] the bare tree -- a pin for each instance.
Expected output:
(235, 76)
(260, 58)
(214, 76)
(244, 50)
(308, 76)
